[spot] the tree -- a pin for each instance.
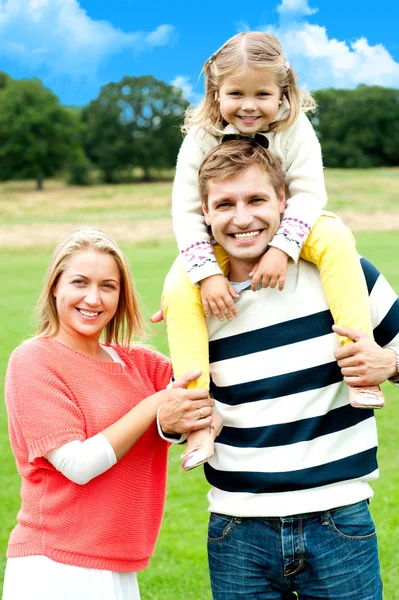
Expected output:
(134, 123)
(358, 128)
(37, 135)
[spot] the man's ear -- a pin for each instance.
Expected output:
(206, 214)
(281, 200)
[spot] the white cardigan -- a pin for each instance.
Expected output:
(299, 151)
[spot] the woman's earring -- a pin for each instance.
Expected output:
(218, 99)
(280, 102)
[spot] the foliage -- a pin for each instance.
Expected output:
(37, 134)
(134, 123)
(358, 128)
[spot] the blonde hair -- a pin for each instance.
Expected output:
(232, 158)
(250, 49)
(127, 319)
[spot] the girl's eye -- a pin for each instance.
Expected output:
(236, 94)
(263, 94)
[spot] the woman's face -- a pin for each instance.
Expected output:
(87, 294)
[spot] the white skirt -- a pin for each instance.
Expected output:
(40, 578)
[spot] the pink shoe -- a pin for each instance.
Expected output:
(194, 457)
(361, 397)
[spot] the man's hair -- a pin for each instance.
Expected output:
(232, 158)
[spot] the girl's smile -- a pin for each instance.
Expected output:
(249, 100)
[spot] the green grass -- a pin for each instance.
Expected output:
(178, 569)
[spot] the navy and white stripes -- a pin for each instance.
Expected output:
(291, 442)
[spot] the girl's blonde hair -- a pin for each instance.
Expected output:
(250, 49)
(127, 319)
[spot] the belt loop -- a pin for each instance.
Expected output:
(325, 518)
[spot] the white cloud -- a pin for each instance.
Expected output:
(60, 36)
(184, 83)
(323, 62)
(295, 8)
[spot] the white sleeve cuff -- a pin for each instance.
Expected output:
(82, 461)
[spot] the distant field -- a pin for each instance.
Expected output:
(178, 570)
(135, 213)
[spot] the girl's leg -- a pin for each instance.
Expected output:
(189, 351)
(331, 247)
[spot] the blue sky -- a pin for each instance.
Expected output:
(75, 46)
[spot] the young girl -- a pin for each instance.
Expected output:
(251, 90)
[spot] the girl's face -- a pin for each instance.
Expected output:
(249, 99)
(87, 295)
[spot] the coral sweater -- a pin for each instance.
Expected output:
(55, 395)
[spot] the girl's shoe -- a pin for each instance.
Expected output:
(361, 397)
(199, 453)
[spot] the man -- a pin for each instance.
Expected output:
(291, 471)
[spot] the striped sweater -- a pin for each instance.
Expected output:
(291, 442)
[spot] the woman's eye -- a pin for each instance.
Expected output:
(109, 286)
(78, 281)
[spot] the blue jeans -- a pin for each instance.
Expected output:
(331, 555)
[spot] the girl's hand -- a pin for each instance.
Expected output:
(217, 296)
(271, 270)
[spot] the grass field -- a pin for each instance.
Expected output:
(178, 570)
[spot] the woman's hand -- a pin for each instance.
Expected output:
(270, 270)
(185, 410)
(217, 296)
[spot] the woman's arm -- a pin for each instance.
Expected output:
(82, 461)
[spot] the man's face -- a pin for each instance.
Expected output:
(244, 213)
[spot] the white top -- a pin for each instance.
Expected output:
(300, 154)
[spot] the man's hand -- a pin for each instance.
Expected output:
(217, 296)
(185, 410)
(159, 315)
(270, 270)
(364, 362)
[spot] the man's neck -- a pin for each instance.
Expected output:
(240, 270)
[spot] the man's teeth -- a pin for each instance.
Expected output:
(246, 236)
(87, 313)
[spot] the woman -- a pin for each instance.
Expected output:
(82, 422)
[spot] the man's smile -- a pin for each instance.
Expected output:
(245, 235)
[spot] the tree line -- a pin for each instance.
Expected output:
(135, 123)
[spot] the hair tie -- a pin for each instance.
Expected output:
(258, 138)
